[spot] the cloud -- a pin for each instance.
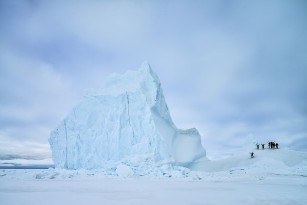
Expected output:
(34, 97)
(232, 69)
(12, 148)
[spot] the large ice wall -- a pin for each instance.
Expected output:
(127, 119)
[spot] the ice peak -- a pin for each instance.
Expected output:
(143, 79)
(146, 69)
(145, 66)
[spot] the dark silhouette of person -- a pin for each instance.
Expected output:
(257, 146)
(276, 145)
(252, 154)
(262, 146)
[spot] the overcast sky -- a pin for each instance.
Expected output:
(235, 70)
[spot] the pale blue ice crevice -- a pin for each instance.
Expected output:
(65, 144)
(129, 120)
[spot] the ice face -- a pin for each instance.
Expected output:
(125, 119)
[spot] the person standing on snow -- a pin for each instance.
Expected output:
(252, 154)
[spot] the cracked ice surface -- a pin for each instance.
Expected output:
(125, 121)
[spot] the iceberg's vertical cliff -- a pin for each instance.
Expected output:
(128, 117)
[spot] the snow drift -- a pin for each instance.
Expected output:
(125, 121)
(265, 161)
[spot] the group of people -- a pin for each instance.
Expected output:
(262, 145)
(271, 145)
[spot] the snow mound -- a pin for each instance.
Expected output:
(281, 161)
(127, 119)
(124, 171)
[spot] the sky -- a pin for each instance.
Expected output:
(235, 70)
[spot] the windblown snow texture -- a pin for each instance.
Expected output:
(126, 120)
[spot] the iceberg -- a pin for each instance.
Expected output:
(127, 120)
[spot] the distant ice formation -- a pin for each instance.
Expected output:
(128, 122)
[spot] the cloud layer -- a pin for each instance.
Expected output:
(236, 70)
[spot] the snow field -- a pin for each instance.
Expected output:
(114, 191)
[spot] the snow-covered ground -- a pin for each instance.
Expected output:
(272, 190)
(272, 177)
